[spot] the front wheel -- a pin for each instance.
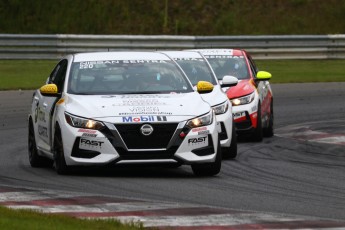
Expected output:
(209, 169)
(231, 151)
(269, 131)
(36, 161)
(59, 157)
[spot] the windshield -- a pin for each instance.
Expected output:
(196, 70)
(229, 65)
(126, 77)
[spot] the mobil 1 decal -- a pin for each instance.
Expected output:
(143, 118)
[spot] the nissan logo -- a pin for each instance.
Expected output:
(146, 129)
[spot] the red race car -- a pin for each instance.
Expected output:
(252, 98)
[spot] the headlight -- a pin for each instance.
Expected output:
(243, 100)
(220, 109)
(201, 121)
(79, 122)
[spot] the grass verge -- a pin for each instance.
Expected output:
(30, 220)
(31, 74)
(299, 71)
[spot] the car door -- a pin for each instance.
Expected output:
(46, 106)
(263, 90)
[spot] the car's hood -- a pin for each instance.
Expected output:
(137, 107)
(216, 97)
(244, 87)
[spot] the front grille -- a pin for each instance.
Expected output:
(134, 139)
(243, 125)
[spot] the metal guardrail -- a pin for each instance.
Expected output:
(29, 46)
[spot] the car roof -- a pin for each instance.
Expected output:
(182, 54)
(120, 55)
(231, 52)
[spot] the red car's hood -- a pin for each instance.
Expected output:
(244, 87)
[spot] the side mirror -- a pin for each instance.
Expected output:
(229, 81)
(204, 87)
(49, 90)
(263, 76)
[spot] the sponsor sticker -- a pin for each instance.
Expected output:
(238, 115)
(93, 64)
(223, 56)
(147, 102)
(197, 140)
(42, 131)
(143, 118)
(90, 144)
(40, 115)
(89, 135)
(189, 59)
(204, 132)
(87, 131)
(143, 110)
(199, 129)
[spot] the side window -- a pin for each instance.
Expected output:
(58, 75)
(252, 65)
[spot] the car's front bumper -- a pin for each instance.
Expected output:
(119, 143)
(245, 117)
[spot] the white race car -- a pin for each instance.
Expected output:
(197, 68)
(122, 108)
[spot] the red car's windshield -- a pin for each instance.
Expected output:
(229, 65)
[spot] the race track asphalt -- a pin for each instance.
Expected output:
(282, 174)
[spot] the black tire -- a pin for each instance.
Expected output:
(269, 131)
(59, 158)
(36, 161)
(231, 151)
(209, 169)
(258, 132)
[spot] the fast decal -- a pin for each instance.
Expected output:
(144, 118)
(90, 143)
(238, 115)
(197, 140)
(199, 129)
(42, 131)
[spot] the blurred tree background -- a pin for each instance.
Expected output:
(173, 17)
